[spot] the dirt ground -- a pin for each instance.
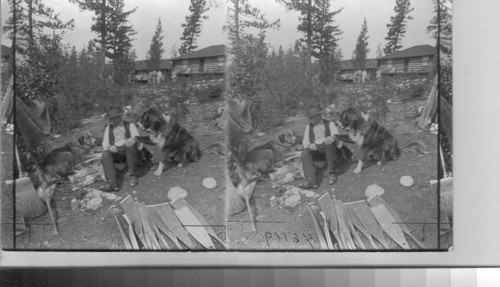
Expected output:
(97, 230)
(286, 228)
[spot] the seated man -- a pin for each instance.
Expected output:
(318, 141)
(119, 145)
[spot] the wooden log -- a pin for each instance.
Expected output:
(376, 200)
(194, 227)
(180, 202)
(168, 216)
(321, 239)
(325, 201)
(344, 228)
(126, 241)
(387, 222)
(359, 225)
(430, 107)
(366, 216)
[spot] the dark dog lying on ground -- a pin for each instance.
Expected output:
(176, 144)
(61, 161)
(261, 159)
(375, 141)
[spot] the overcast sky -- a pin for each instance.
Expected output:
(173, 12)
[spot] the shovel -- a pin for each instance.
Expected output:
(25, 188)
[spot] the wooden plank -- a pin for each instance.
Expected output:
(131, 233)
(359, 225)
(328, 238)
(180, 202)
(168, 216)
(126, 241)
(366, 216)
(376, 200)
(160, 224)
(325, 201)
(388, 224)
(194, 227)
(343, 224)
(321, 239)
(130, 209)
(357, 238)
(148, 229)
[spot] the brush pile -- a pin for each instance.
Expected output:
(167, 226)
(358, 225)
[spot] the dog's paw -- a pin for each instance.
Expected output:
(357, 170)
(158, 172)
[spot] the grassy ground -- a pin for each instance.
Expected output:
(97, 230)
(293, 228)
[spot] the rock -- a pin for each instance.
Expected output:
(109, 196)
(176, 192)
(373, 190)
(209, 182)
(307, 193)
(292, 200)
(406, 180)
(93, 203)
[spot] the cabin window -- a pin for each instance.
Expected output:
(220, 62)
(425, 61)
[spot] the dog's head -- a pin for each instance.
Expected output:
(153, 120)
(351, 119)
(287, 137)
(86, 140)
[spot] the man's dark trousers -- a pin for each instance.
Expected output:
(126, 154)
(324, 151)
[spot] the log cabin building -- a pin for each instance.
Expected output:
(415, 60)
(207, 62)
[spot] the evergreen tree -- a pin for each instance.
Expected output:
(397, 26)
(33, 17)
(156, 48)
(443, 25)
(174, 52)
(380, 51)
(360, 53)
(192, 27)
(318, 24)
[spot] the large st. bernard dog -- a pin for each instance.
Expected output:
(176, 144)
(375, 141)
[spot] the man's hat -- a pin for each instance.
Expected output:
(114, 112)
(313, 110)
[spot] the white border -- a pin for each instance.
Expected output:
(477, 180)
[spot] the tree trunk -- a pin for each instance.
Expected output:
(309, 39)
(237, 21)
(30, 23)
(103, 42)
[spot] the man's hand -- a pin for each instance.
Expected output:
(312, 147)
(130, 142)
(113, 149)
(329, 140)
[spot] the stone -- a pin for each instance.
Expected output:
(406, 181)
(209, 182)
(176, 192)
(373, 190)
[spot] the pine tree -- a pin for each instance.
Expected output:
(156, 48)
(380, 51)
(174, 52)
(443, 25)
(32, 17)
(192, 27)
(397, 26)
(321, 34)
(360, 53)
